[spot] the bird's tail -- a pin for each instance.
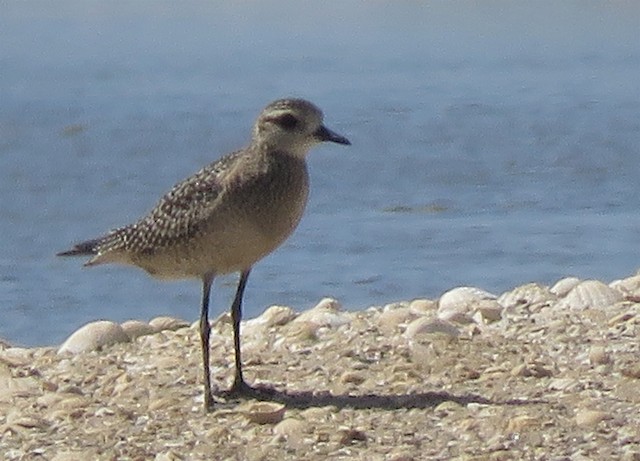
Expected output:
(104, 249)
(89, 247)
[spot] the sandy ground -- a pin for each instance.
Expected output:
(537, 374)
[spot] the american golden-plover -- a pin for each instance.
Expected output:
(226, 217)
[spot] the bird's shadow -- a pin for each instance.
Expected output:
(308, 399)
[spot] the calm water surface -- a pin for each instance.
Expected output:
(494, 143)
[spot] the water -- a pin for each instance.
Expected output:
(494, 143)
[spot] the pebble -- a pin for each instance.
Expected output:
(535, 370)
(349, 436)
(590, 418)
(522, 423)
(352, 377)
(92, 336)
(263, 412)
(291, 429)
(631, 371)
(75, 455)
(598, 355)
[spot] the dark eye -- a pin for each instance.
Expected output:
(287, 121)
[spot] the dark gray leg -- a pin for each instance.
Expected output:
(239, 387)
(205, 330)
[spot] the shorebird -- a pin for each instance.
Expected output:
(225, 217)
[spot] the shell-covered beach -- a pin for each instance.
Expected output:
(538, 372)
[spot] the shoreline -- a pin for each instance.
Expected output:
(539, 372)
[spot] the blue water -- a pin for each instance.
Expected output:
(494, 143)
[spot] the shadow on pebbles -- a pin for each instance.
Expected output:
(537, 373)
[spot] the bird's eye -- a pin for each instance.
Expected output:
(287, 121)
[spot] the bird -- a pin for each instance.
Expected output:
(225, 218)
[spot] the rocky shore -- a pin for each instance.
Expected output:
(537, 373)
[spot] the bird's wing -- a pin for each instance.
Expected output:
(175, 218)
(184, 209)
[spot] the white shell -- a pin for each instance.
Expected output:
(93, 336)
(460, 304)
(629, 286)
(426, 326)
(264, 412)
(564, 286)
(168, 323)
(325, 313)
(590, 294)
(273, 316)
(531, 293)
(136, 328)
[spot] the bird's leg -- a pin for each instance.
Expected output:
(205, 331)
(239, 387)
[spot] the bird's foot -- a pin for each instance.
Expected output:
(240, 389)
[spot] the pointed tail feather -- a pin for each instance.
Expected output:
(90, 247)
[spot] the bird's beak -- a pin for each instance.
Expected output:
(325, 134)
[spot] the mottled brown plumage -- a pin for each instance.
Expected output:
(227, 216)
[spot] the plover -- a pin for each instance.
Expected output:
(225, 217)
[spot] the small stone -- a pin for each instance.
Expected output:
(631, 371)
(531, 370)
(563, 384)
(446, 408)
(352, 377)
(349, 436)
(522, 423)
(18, 387)
(264, 412)
(590, 418)
(598, 355)
(168, 456)
(630, 455)
(16, 418)
(490, 310)
(93, 336)
(291, 428)
(75, 455)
